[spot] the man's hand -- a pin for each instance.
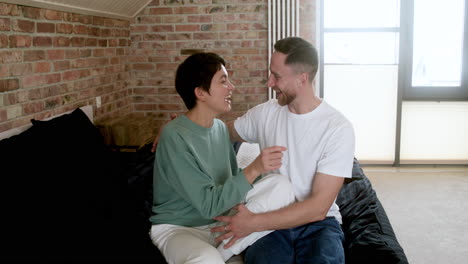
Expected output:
(237, 226)
(156, 140)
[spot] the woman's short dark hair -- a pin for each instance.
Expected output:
(300, 54)
(196, 71)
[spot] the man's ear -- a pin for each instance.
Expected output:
(303, 78)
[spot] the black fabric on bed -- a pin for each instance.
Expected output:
(369, 236)
(65, 197)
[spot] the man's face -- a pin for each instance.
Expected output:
(282, 79)
(219, 98)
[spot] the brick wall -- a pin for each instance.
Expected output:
(166, 32)
(53, 61)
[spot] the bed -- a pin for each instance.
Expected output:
(65, 196)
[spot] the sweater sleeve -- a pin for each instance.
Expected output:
(181, 170)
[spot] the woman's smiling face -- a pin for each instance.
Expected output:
(219, 97)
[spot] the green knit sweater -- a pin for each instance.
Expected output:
(196, 176)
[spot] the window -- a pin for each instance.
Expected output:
(380, 59)
(436, 33)
(359, 61)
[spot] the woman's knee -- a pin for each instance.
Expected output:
(183, 247)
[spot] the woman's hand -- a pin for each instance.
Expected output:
(268, 160)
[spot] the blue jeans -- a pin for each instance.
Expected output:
(318, 242)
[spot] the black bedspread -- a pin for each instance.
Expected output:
(369, 236)
(66, 197)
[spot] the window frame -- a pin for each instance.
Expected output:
(425, 93)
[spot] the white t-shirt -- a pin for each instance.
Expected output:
(319, 141)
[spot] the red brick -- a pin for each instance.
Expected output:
(64, 28)
(53, 78)
(143, 66)
(23, 26)
(102, 43)
(166, 66)
(187, 27)
(9, 85)
(77, 42)
(91, 42)
(205, 36)
(162, 28)
(61, 65)
(223, 18)
(34, 94)
(172, 107)
(45, 27)
(51, 103)
(4, 71)
(33, 107)
(3, 115)
(9, 10)
(105, 32)
(94, 31)
(80, 30)
(42, 67)
(231, 35)
(122, 42)
(3, 41)
(53, 15)
(5, 24)
(199, 19)
(20, 69)
(145, 107)
(180, 36)
(238, 26)
(33, 80)
(55, 54)
(72, 54)
(20, 41)
(61, 42)
(160, 11)
(177, 19)
(34, 55)
(10, 99)
(32, 12)
(139, 28)
(42, 41)
(186, 10)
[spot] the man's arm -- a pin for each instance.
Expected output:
(314, 208)
(233, 133)
(156, 140)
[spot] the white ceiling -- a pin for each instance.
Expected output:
(121, 9)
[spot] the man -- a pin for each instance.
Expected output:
(320, 151)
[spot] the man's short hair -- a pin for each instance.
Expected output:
(196, 71)
(300, 55)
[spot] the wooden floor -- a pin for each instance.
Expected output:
(428, 208)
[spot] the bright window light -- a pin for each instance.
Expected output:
(438, 42)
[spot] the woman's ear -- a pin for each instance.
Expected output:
(200, 94)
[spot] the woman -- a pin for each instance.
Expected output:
(196, 176)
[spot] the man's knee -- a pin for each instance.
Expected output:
(273, 248)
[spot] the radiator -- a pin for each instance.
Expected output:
(283, 21)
